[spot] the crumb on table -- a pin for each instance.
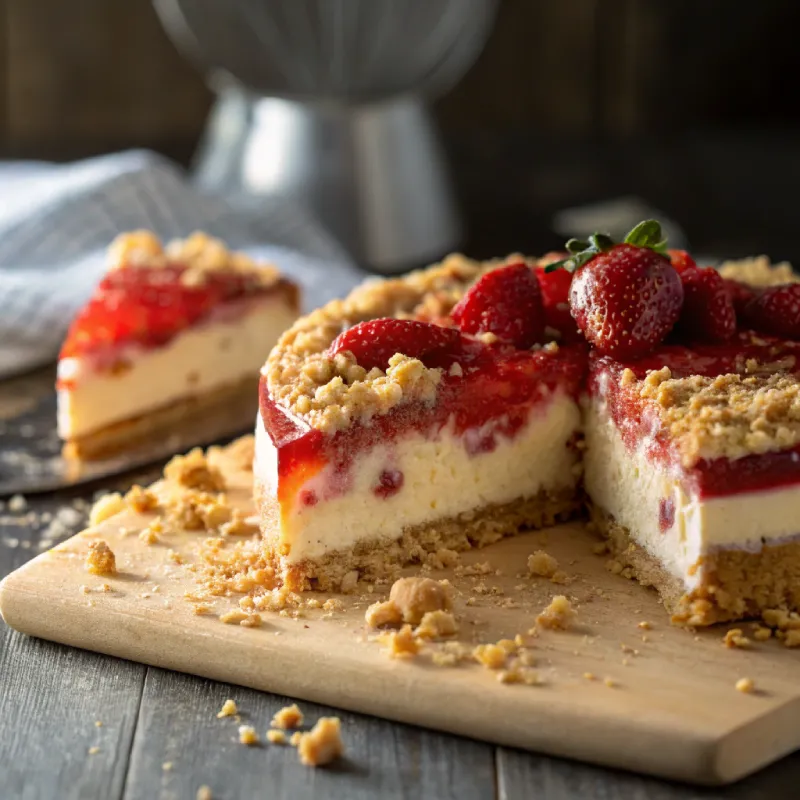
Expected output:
(229, 709)
(735, 638)
(276, 737)
(100, 559)
(415, 597)
(288, 717)
(745, 685)
(492, 656)
(105, 507)
(248, 735)
(436, 625)
(402, 643)
(542, 564)
(383, 614)
(204, 793)
(322, 744)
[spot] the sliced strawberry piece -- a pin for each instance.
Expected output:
(148, 306)
(681, 260)
(374, 342)
(555, 300)
(776, 310)
(626, 299)
(708, 313)
(506, 302)
(741, 294)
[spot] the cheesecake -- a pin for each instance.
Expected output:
(460, 404)
(386, 432)
(171, 333)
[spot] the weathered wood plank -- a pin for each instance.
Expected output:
(525, 775)
(51, 696)
(178, 726)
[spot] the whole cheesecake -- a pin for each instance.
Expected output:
(464, 402)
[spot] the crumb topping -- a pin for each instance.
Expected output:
(288, 717)
(322, 744)
(728, 416)
(100, 559)
(331, 392)
(758, 271)
(200, 253)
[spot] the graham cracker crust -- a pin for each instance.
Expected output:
(238, 401)
(477, 528)
(734, 584)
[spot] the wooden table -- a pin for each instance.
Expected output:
(52, 697)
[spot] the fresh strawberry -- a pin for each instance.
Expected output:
(625, 297)
(147, 306)
(708, 313)
(776, 310)
(555, 301)
(374, 342)
(506, 302)
(741, 294)
(681, 260)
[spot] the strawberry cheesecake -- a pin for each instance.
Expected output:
(462, 404)
(171, 333)
(386, 431)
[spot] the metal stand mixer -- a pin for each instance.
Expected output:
(324, 101)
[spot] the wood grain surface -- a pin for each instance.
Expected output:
(673, 710)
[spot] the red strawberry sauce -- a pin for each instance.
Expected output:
(497, 392)
(708, 478)
(148, 306)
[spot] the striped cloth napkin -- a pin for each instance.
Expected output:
(57, 220)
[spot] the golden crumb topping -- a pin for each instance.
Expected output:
(200, 253)
(100, 559)
(758, 271)
(322, 744)
(728, 416)
(331, 392)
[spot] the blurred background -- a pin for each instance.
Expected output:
(691, 106)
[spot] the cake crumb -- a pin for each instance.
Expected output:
(402, 643)
(194, 472)
(415, 597)
(559, 615)
(380, 615)
(792, 638)
(150, 534)
(141, 500)
(288, 717)
(350, 582)
(542, 564)
(100, 559)
(436, 625)
(492, 656)
(590, 676)
(610, 683)
(94, 750)
(204, 793)
(644, 625)
(237, 617)
(294, 739)
(98, 723)
(322, 744)
(761, 634)
(105, 507)
(167, 766)
(229, 709)
(276, 737)
(745, 685)
(517, 675)
(600, 548)
(248, 735)
(735, 638)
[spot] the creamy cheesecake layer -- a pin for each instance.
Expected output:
(200, 360)
(440, 479)
(674, 526)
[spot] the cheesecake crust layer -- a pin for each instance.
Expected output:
(476, 528)
(735, 584)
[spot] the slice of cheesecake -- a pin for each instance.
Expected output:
(692, 467)
(169, 333)
(385, 433)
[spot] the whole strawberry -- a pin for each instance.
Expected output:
(708, 313)
(625, 297)
(741, 294)
(555, 301)
(776, 310)
(681, 260)
(374, 342)
(506, 302)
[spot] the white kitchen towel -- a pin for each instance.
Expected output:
(56, 222)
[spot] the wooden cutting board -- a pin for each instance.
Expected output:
(672, 709)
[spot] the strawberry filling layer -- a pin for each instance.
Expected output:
(146, 307)
(492, 400)
(637, 423)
